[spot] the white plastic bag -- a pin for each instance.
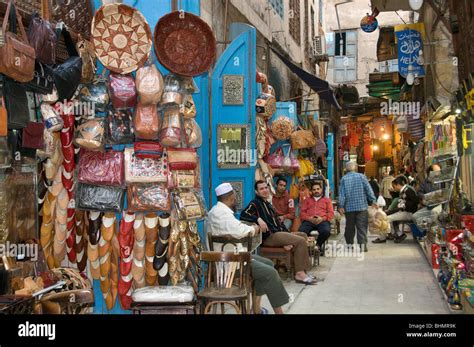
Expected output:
(381, 201)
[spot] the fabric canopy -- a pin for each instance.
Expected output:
(318, 85)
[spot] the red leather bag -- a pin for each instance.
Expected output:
(122, 91)
(182, 158)
(104, 168)
(33, 136)
(148, 150)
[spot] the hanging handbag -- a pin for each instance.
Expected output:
(101, 168)
(67, 75)
(146, 122)
(282, 127)
(17, 57)
(33, 135)
(150, 85)
(147, 170)
(170, 133)
(189, 204)
(91, 134)
(43, 80)
(193, 133)
(16, 102)
(144, 197)
(302, 139)
(275, 160)
(120, 127)
(148, 150)
(99, 198)
(43, 39)
(95, 94)
(122, 91)
(182, 158)
(87, 54)
(321, 148)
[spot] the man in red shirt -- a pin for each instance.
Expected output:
(284, 206)
(316, 214)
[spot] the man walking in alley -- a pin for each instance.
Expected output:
(275, 233)
(355, 196)
(221, 221)
(316, 214)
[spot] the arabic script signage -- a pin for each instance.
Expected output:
(410, 43)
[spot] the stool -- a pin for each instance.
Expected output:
(279, 253)
(164, 300)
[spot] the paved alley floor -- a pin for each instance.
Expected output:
(389, 279)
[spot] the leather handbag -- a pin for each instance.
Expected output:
(99, 198)
(148, 198)
(17, 57)
(120, 127)
(102, 168)
(87, 54)
(189, 204)
(147, 170)
(95, 94)
(43, 80)
(302, 139)
(146, 122)
(67, 75)
(33, 135)
(170, 133)
(16, 102)
(150, 85)
(148, 150)
(122, 91)
(43, 39)
(91, 134)
(182, 158)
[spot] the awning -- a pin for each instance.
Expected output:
(392, 5)
(320, 86)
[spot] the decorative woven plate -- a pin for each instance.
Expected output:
(185, 46)
(121, 38)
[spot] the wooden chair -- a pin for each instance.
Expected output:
(227, 281)
(229, 240)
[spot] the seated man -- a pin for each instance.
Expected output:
(275, 233)
(221, 221)
(284, 206)
(407, 205)
(316, 214)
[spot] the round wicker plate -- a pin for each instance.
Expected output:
(121, 38)
(185, 45)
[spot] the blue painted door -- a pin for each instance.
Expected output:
(234, 92)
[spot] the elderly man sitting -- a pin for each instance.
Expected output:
(221, 221)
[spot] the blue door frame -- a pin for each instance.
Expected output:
(239, 59)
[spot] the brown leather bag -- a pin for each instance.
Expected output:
(43, 39)
(17, 57)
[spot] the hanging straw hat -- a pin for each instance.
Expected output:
(121, 38)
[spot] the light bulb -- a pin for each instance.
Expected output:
(410, 76)
(416, 4)
(458, 111)
(375, 148)
(385, 136)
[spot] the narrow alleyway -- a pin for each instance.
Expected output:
(390, 279)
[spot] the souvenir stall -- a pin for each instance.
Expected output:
(118, 185)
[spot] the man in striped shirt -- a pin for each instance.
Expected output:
(355, 196)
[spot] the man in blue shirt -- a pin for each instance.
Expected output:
(355, 196)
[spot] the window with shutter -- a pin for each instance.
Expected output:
(345, 56)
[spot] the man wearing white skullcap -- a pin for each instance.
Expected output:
(221, 221)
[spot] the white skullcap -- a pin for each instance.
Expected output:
(224, 188)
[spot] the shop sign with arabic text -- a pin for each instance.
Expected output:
(410, 42)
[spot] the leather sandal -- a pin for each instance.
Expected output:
(307, 281)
